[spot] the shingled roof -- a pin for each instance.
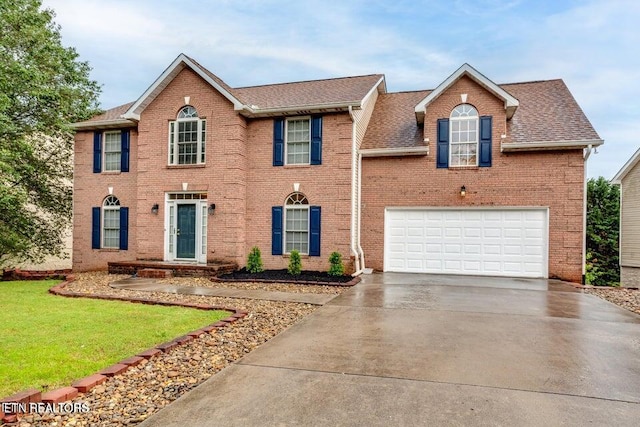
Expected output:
(337, 91)
(393, 123)
(548, 115)
(327, 95)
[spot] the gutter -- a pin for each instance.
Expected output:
(402, 151)
(255, 111)
(586, 155)
(103, 124)
(549, 145)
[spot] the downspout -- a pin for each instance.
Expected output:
(586, 154)
(354, 178)
(360, 250)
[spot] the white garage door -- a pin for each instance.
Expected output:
(489, 242)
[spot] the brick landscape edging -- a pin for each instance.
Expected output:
(83, 385)
(351, 282)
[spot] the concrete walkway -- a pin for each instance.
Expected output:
(152, 285)
(400, 349)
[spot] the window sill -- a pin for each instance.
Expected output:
(296, 166)
(466, 168)
(111, 172)
(303, 256)
(109, 250)
(197, 165)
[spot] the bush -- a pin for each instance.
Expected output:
(295, 263)
(254, 261)
(336, 268)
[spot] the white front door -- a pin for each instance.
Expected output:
(491, 242)
(186, 228)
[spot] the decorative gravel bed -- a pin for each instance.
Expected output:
(284, 287)
(130, 398)
(626, 298)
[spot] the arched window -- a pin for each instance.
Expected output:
(296, 223)
(111, 222)
(464, 136)
(187, 137)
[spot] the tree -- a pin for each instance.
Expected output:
(603, 225)
(43, 88)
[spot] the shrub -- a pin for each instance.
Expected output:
(295, 263)
(254, 261)
(336, 268)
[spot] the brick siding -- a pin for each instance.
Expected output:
(547, 179)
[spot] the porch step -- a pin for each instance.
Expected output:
(210, 269)
(155, 273)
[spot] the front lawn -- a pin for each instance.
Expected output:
(47, 341)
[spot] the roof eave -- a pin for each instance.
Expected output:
(399, 151)
(626, 168)
(507, 147)
(256, 112)
(103, 124)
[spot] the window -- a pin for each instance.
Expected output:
(297, 141)
(464, 136)
(187, 135)
(296, 224)
(111, 223)
(298, 136)
(112, 151)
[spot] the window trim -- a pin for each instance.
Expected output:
(286, 140)
(458, 119)
(104, 150)
(110, 207)
(173, 138)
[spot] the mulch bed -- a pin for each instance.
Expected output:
(305, 277)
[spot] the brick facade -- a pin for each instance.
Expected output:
(552, 179)
(239, 177)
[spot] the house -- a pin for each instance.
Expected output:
(629, 180)
(471, 177)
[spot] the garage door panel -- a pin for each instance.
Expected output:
(476, 241)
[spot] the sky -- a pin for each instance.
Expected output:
(591, 44)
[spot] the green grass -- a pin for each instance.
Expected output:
(47, 341)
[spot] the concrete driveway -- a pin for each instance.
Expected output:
(406, 349)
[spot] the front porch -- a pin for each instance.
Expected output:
(211, 269)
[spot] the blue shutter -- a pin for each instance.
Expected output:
(97, 152)
(316, 140)
(485, 142)
(278, 142)
(124, 228)
(276, 230)
(314, 231)
(442, 160)
(95, 228)
(124, 151)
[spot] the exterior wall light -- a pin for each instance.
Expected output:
(211, 208)
(154, 209)
(463, 191)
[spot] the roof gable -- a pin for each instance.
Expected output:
(182, 61)
(631, 163)
(510, 102)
